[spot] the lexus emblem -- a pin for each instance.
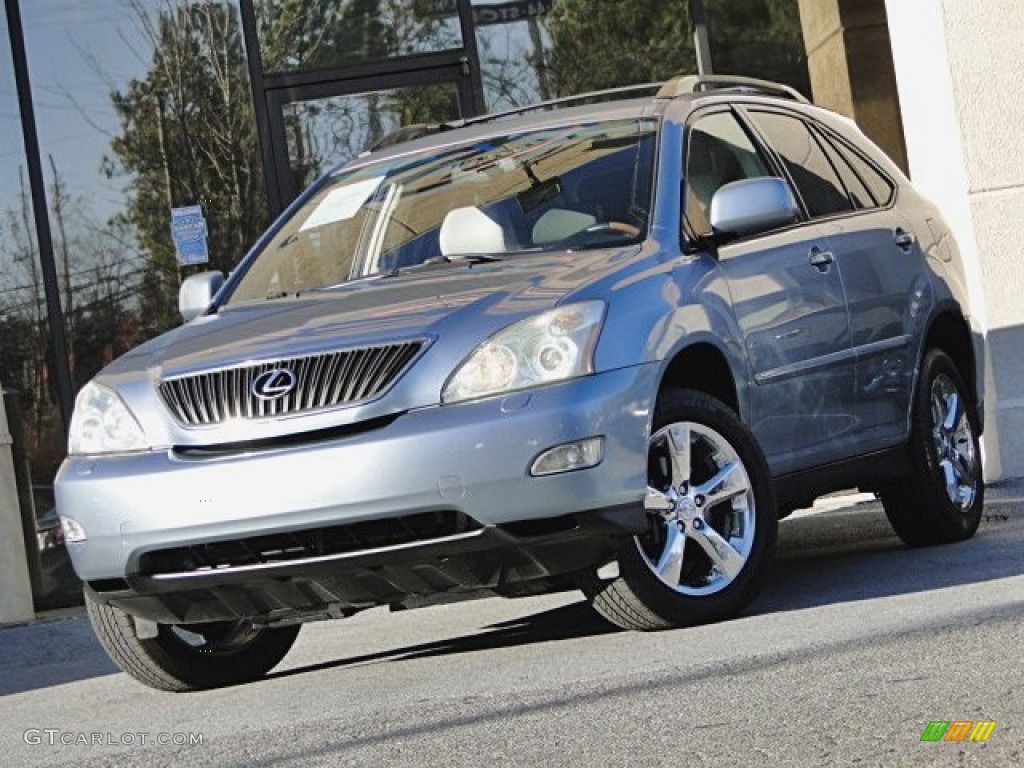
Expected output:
(273, 384)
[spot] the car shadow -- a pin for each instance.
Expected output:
(852, 554)
(840, 556)
(566, 622)
(51, 652)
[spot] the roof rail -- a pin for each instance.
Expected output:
(620, 91)
(677, 86)
(686, 84)
(415, 131)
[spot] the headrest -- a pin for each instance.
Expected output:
(470, 230)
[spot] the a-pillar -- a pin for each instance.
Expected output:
(958, 66)
(850, 62)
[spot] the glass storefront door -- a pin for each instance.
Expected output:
(316, 128)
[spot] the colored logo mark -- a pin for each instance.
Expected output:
(958, 730)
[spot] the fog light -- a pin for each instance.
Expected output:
(72, 530)
(568, 457)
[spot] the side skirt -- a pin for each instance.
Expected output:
(868, 473)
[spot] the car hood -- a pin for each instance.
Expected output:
(452, 308)
(479, 297)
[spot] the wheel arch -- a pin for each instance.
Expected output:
(949, 331)
(703, 366)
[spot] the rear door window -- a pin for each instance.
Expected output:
(806, 162)
(880, 186)
(855, 186)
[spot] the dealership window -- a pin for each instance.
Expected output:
(583, 45)
(759, 38)
(142, 106)
(298, 36)
(27, 359)
(326, 132)
(513, 43)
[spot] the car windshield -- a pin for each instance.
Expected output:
(565, 188)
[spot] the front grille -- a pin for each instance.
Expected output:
(319, 381)
(310, 543)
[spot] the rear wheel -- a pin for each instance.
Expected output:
(189, 657)
(941, 499)
(713, 522)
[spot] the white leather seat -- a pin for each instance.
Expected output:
(470, 230)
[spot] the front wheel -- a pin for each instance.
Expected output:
(713, 522)
(940, 500)
(189, 657)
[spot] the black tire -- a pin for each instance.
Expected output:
(920, 506)
(640, 599)
(229, 654)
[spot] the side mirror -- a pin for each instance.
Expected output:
(752, 206)
(197, 294)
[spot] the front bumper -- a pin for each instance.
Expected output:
(509, 561)
(470, 458)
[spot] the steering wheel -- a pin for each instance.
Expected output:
(602, 230)
(619, 227)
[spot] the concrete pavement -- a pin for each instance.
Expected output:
(854, 646)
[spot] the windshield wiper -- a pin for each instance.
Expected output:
(433, 261)
(442, 261)
(469, 258)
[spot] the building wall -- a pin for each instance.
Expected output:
(851, 69)
(958, 68)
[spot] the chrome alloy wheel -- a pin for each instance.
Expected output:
(954, 442)
(700, 496)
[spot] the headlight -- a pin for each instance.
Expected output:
(552, 346)
(102, 423)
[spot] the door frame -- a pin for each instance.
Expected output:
(279, 98)
(272, 91)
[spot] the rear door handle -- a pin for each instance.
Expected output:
(820, 260)
(904, 240)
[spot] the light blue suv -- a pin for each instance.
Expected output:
(603, 347)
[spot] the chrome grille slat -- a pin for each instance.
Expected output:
(314, 383)
(329, 376)
(342, 376)
(325, 380)
(298, 394)
(194, 391)
(394, 362)
(210, 393)
(354, 383)
(300, 390)
(373, 366)
(231, 399)
(175, 402)
(223, 401)
(250, 377)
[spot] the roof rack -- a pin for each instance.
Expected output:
(677, 86)
(416, 130)
(687, 84)
(620, 91)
